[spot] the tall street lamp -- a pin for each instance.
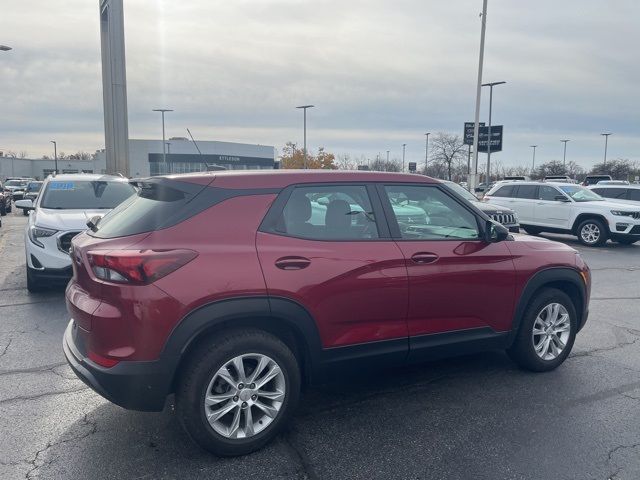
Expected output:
(404, 146)
(304, 109)
(55, 155)
(533, 164)
(606, 141)
(164, 145)
(490, 85)
(426, 153)
(564, 155)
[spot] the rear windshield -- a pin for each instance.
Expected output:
(157, 205)
(85, 194)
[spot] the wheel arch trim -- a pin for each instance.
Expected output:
(547, 277)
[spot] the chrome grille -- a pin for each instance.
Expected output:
(64, 241)
(504, 218)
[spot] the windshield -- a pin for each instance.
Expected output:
(85, 195)
(463, 192)
(580, 194)
(15, 183)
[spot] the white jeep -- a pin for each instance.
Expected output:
(568, 208)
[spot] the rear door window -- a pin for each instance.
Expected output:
(506, 191)
(341, 212)
(526, 191)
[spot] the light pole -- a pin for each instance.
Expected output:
(426, 153)
(55, 155)
(404, 146)
(473, 178)
(387, 157)
(164, 146)
(490, 85)
(533, 165)
(564, 155)
(304, 109)
(606, 141)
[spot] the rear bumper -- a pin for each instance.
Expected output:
(141, 386)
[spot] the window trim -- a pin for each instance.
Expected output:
(396, 234)
(270, 220)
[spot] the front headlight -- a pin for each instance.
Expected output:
(38, 232)
(622, 213)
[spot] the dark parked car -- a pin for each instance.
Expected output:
(500, 214)
(595, 179)
(227, 290)
(5, 200)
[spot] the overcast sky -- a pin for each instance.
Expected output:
(380, 72)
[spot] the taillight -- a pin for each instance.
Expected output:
(138, 267)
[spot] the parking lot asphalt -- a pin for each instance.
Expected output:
(473, 417)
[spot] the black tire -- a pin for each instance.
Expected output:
(531, 230)
(522, 351)
(32, 283)
(203, 364)
(3, 210)
(25, 212)
(593, 223)
(626, 241)
(9, 208)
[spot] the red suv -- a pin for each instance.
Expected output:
(234, 289)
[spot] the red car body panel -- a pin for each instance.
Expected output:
(356, 291)
(458, 290)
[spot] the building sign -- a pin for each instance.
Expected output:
(212, 159)
(468, 132)
(413, 166)
(496, 138)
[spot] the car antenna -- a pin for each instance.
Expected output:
(194, 141)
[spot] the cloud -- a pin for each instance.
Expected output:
(380, 73)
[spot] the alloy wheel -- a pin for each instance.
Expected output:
(244, 396)
(551, 331)
(590, 233)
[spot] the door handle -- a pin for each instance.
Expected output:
(424, 258)
(292, 263)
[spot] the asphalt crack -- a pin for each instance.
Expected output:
(38, 462)
(44, 368)
(4, 350)
(42, 395)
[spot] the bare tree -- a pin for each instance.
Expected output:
(384, 165)
(345, 162)
(448, 150)
(22, 154)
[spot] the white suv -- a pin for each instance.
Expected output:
(65, 204)
(568, 208)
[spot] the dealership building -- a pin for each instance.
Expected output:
(146, 159)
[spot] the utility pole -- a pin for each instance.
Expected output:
(533, 165)
(490, 85)
(304, 109)
(426, 153)
(55, 155)
(474, 177)
(164, 143)
(387, 157)
(404, 146)
(564, 156)
(606, 141)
